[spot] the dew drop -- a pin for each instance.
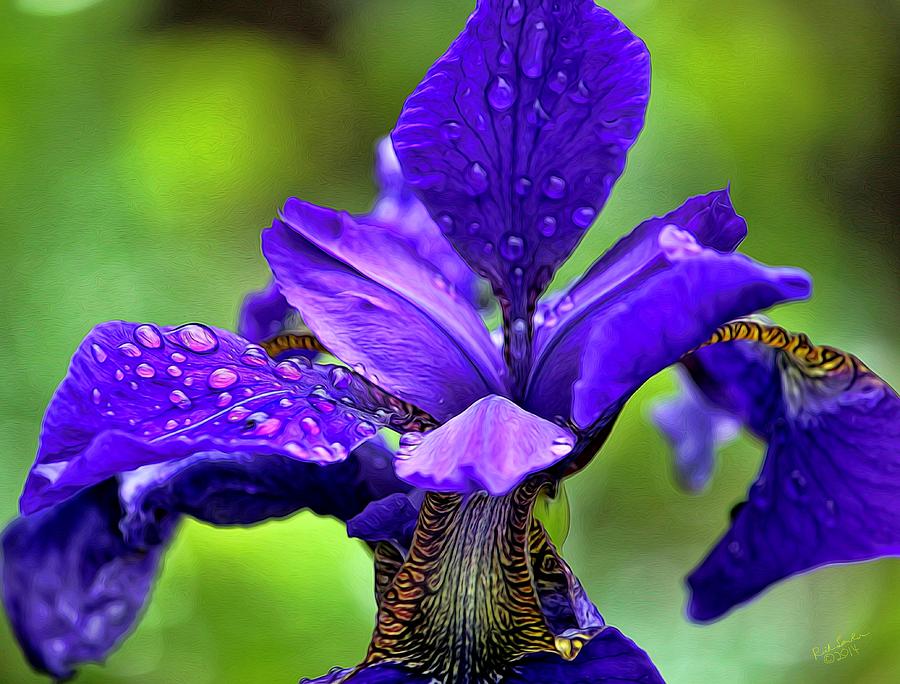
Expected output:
(523, 186)
(366, 429)
(583, 217)
(180, 399)
(476, 179)
(145, 370)
(221, 378)
(171, 424)
(512, 248)
(322, 454)
(178, 357)
(533, 57)
(223, 400)
(174, 371)
(254, 355)
(505, 55)
(562, 446)
(559, 82)
(310, 426)
(565, 304)
(515, 12)
(267, 427)
(148, 336)
(582, 94)
(501, 94)
(289, 371)
(188, 381)
(119, 375)
(321, 404)
(452, 130)
(133, 385)
(95, 396)
(237, 414)
(285, 403)
(446, 222)
(195, 337)
(128, 349)
(100, 356)
(555, 187)
(340, 377)
(548, 226)
(296, 450)
(338, 451)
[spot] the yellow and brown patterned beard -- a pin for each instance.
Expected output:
(481, 587)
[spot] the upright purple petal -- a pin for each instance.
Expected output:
(827, 491)
(492, 445)
(138, 394)
(563, 319)
(72, 586)
(401, 211)
(610, 658)
(519, 131)
(376, 304)
(647, 322)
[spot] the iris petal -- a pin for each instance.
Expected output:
(138, 394)
(827, 489)
(72, 585)
(376, 304)
(518, 132)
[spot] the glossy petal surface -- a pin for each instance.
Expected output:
(492, 445)
(609, 658)
(72, 586)
(243, 489)
(138, 394)
(518, 132)
(564, 319)
(827, 491)
(376, 305)
(401, 211)
(695, 428)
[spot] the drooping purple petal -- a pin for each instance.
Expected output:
(492, 445)
(647, 324)
(399, 209)
(243, 489)
(376, 305)
(392, 519)
(373, 674)
(563, 319)
(518, 132)
(610, 657)
(695, 428)
(827, 491)
(72, 586)
(138, 394)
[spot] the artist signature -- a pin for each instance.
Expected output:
(840, 650)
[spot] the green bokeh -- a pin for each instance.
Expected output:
(138, 163)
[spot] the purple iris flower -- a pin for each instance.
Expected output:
(506, 152)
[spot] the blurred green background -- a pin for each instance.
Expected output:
(144, 144)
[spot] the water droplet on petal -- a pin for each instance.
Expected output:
(548, 226)
(501, 94)
(340, 377)
(288, 371)
(119, 374)
(533, 57)
(452, 130)
(178, 357)
(99, 355)
(174, 371)
(322, 454)
(133, 385)
(523, 186)
(95, 396)
(254, 355)
(583, 217)
(237, 414)
(566, 304)
(145, 370)
(515, 12)
(366, 429)
(310, 426)
(512, 248)
(171, 424)
(559, 82)
(338, 451)
(562, 446)
(223, 400)
(148, 336)
(267, 427)
(221, 378)
(446, 222)
(321, 404)
(476, 179)
(505, 55)
(285, 403)
(555, 187)
(180, 399)
(195, 337)
(128, 349)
